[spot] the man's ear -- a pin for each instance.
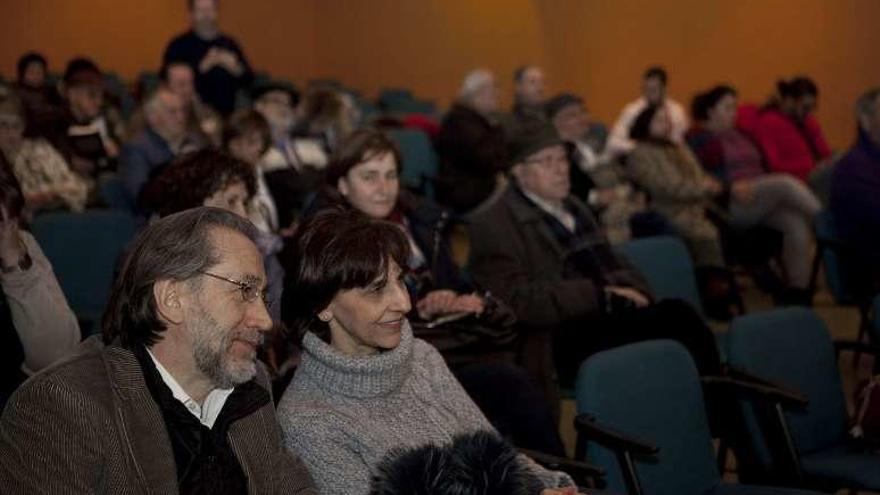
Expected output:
(169, 304)
(516, 171)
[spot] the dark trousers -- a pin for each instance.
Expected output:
(514, 404)
(667, 319)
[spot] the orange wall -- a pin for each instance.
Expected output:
(597, 48)
(129, 36)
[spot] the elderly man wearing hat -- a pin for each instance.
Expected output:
(84, 131)
(540, 249)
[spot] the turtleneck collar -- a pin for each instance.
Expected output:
(361, 376)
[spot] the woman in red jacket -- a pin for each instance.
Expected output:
(788, 132)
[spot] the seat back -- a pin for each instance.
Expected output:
(112, 193)
(420, 162)
(83, 249)
(651, 391)
(792, 347)
(665, 263)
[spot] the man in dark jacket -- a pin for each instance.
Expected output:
(471, 146)
(218, 61)
(172, 400)
(540, 250)
(855, 190)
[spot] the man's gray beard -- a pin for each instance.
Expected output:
(211, 357)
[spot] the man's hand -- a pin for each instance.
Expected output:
(639, 299)
(210, 59)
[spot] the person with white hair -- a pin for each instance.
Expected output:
(472, 147)
(164, 137)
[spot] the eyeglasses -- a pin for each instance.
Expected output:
(249, 292)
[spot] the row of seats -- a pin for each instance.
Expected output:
(650, 395)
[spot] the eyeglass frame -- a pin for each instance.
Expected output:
(243, 287)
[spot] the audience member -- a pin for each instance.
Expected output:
(480, 345)
(218, 61)
(41, 100)
(654, 84)
(330, 116)
(247, 137)
(472, 147)
(217, 179)
(366, 386)
(528, 100)
(291, 164)
(46, 180)
(202, 121)
(597, 179)
(540, 250)
(855, 193)
(183, 405)
(86, 131)
(788, 132)
(164, 137)
(676, 185)
(37, 326)
(755, 196)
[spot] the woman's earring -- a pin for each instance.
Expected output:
(325, 316)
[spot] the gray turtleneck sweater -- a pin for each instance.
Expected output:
(342, 414)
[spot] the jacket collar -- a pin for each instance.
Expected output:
(529, 215)
(139, 420)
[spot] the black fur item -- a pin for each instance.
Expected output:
(474, 464)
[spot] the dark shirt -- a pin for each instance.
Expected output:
(855, 204)
(217, 87)
(206, 463)
(472, 151)
(589, 254)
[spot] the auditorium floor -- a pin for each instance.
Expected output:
(842, 321)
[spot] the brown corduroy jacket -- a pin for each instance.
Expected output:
(88, 424)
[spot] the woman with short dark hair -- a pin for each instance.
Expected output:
(366, 385)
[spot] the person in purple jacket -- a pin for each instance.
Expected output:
(855, 191)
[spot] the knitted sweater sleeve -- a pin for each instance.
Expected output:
(469, 414)
(331, 455)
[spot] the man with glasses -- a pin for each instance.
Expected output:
(541, 251)
(171, 399)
